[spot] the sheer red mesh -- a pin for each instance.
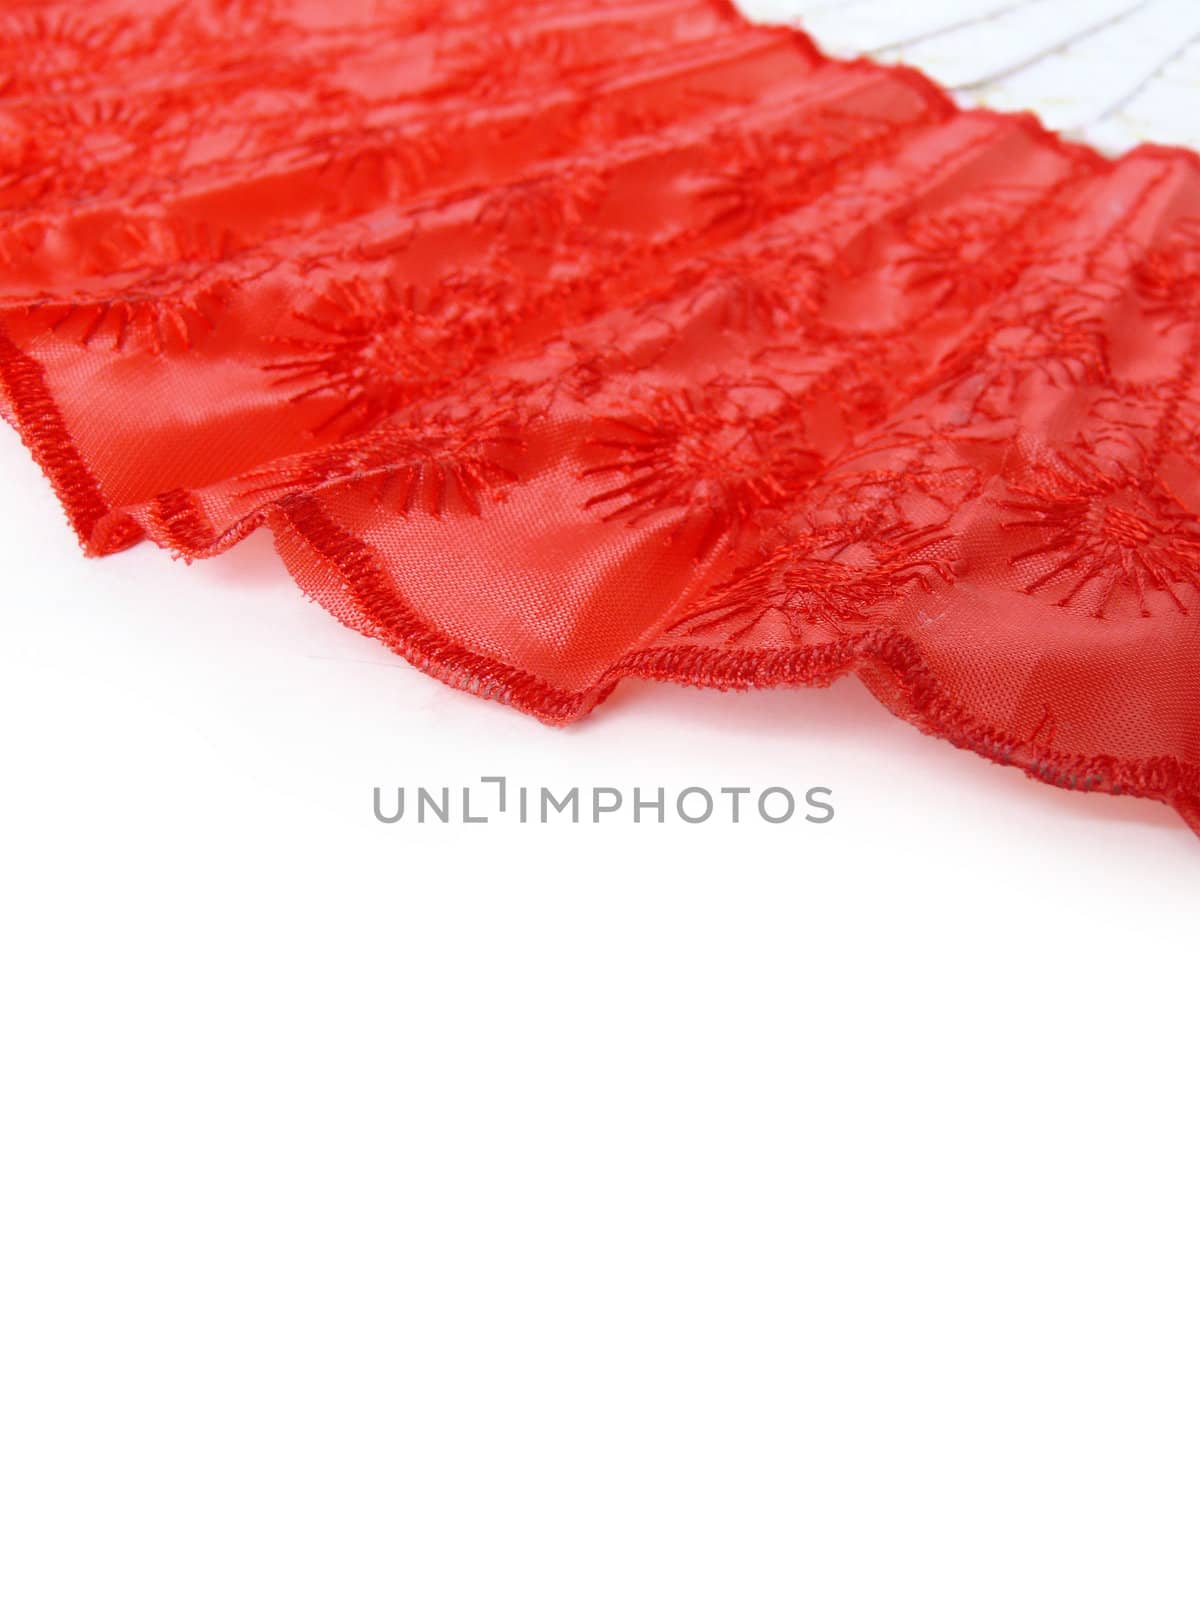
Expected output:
(561, 345)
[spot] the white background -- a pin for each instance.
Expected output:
(567, 1212)
(1113, 72)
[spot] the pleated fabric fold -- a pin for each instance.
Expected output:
(558, 345)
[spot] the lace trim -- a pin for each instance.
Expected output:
(1054, 506)
(887, 662)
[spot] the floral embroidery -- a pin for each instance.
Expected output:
(953, 251)
(52, 51)
(759, 174)
(371, 346)
(555, 349)
(1169, 279)
(806, 586)
(1101, 529)
(705, 461)
(448, 458)
(362, 346)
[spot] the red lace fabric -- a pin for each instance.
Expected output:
(557, 345)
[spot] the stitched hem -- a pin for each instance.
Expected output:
(887, 662)
(39, 422)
